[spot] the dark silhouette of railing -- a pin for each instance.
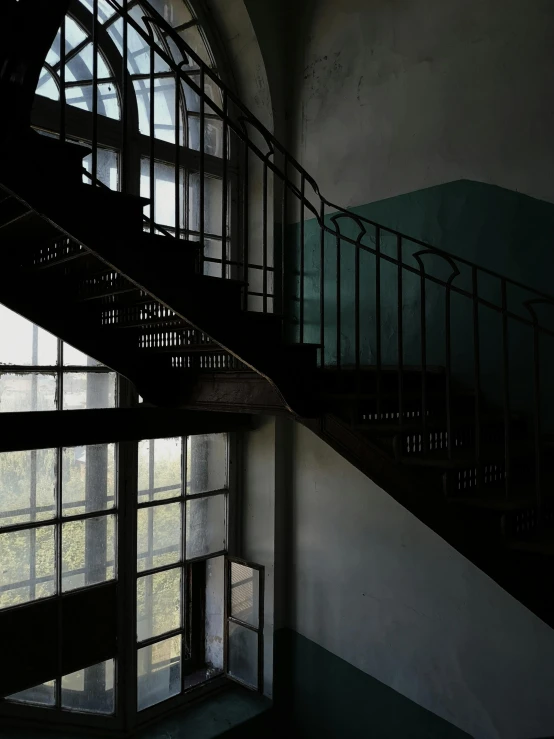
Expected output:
(375, 300)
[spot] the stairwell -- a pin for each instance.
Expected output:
(85, 263)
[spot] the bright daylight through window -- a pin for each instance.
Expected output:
(60, 529)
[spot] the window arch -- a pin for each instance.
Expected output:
(109, 83)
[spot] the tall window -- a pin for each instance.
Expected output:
(141, 145)
(61, 521)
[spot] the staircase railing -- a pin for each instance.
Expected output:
(378, 302)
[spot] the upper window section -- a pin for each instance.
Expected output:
(135, 38)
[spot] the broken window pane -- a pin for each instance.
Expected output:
(27, 565)
(27, 486)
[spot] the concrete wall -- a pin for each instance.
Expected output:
(263, 539)
(374, 586)
(391, 97)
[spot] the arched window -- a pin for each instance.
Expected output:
(145, 125)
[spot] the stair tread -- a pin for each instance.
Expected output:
(540, 544)
(433, 423)
(465, 457)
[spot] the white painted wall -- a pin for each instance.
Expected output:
(376, 587)
(390, 97)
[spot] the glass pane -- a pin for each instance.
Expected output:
(27, 486)
(107, 99)
(164, 108)
(74, 34)
(158, 672)
(82, 390)
(73, 357)
(23, 343)
(90, 690)
(138, 55)
(159, 469)
(213, 135)
(28, 569)
(164, 192)
(40, 695)
(192, 99)
(47, 86)
(245, 593)
(88, 552)
(193, 38)
(107, 171)
(20, 393)
(88, 479)
(158, 603)
(212, 204)
(206, 463)
(243, 654)
(159, 536)
(215, 589)
(205, 526)
(174, 13)
(79, 68)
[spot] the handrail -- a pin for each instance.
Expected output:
(365, 294)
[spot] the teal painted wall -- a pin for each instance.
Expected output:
(320, 695)
(498, 229)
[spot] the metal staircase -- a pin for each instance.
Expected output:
(427, 372)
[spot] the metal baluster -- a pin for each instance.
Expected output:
(338, 304)
(94, 166)
(202, 164)
(152, 124)
(177, 156)
(537, 416)
(357, 316)
(322, 282)
(400, 337)
(284, 215)
(124, 104)
(302, 255)
(264, 238)
(62, 81)
(477, 372)
(378, 377)
(423, 324)
(246, 225)
(506, 388)
(448, 373)
(225, 188)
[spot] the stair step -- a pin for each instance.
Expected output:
(462, 458)
(184, 349)
(496, 502)
(12, 210)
